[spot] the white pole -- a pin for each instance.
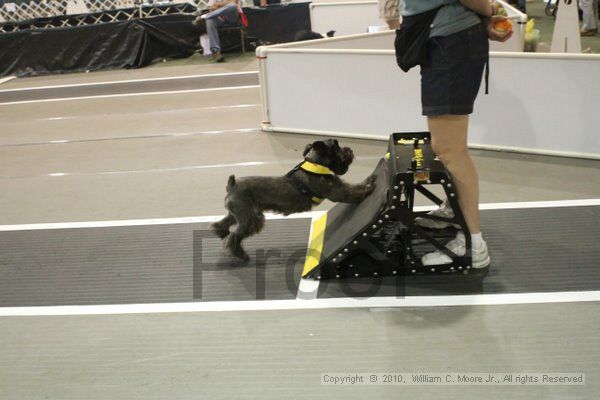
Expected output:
(261, 55)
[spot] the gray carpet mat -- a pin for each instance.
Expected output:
(533, 250)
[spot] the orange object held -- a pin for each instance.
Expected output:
(503, 26)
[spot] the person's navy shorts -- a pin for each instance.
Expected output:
(451, 78)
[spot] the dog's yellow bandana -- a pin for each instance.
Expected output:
(315, 168)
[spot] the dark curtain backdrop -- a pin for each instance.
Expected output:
(134, 43)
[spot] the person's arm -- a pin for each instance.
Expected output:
(489, 11)
(484, 8)
(492, 33)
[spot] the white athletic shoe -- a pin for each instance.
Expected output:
(480, 258)
(445, 211)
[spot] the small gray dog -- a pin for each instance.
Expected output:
(311, 181)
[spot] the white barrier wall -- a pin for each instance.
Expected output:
(538, 103)
(345, 18)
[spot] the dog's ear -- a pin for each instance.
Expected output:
(319, 146)
(307, 149)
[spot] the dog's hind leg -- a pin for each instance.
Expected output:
(248, 224)
(256, 224)
(221, 228)
(234, 241)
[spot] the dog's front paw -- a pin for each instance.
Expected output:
(370, 184)
(370, 180)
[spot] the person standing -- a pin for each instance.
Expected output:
(590, 17)
(457, 51)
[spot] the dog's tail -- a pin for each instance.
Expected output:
(230, 182)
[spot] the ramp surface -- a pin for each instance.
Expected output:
(344, 221)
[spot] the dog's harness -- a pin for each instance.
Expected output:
(311, 168)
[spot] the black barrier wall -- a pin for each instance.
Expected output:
(127, 44)
(132, 43)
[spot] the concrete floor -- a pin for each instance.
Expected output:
(281, 355)
(169, 156)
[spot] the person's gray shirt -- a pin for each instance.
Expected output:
(452, 18)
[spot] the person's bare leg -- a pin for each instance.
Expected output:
(449, 142)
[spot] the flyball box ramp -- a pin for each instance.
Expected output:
(379, 237)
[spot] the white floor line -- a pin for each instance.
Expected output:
(312, 214)
(141, 222)
(272, 305)
(153, 112)
(151, 170)
(174, 169)
(107, 96)
(529, 204)
(168, 78)
(308, 289)
(105, 139)
(541, 204)
(6, 79)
